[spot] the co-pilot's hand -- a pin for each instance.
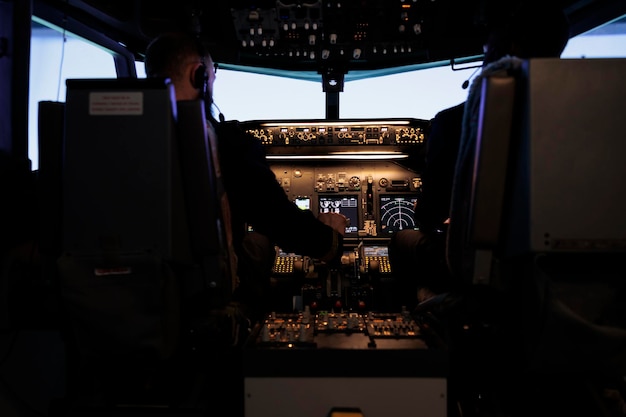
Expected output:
(337, 221)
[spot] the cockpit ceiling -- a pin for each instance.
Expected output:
(322, 37)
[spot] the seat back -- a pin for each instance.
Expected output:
(537, 203)
(50, 137)
(121, 214)
(483, 153)
(145, 256)
(540, 171)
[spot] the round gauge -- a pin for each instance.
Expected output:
(383, 182)
(355, 182)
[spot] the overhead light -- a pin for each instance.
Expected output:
(347, 155)
(402, 122)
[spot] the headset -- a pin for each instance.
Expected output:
(201, 79)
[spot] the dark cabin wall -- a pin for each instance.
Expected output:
(32, 358)
(16, 186)
(15, 18)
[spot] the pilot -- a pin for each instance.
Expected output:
(257, 201)
(418, 257)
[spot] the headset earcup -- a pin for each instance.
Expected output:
(200, 78)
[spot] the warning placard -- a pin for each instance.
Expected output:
(116, 103)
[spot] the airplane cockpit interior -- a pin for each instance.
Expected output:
(121, 274)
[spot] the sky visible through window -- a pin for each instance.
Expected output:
(243, 96)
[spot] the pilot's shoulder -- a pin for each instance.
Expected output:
(451, 112)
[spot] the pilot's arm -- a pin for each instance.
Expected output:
(256, 198)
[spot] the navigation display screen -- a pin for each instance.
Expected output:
(397, 212)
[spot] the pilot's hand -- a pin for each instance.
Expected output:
(337, 221)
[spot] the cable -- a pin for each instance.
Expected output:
(220, 115)
(62, 59)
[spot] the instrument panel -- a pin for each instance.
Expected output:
(377, 197)
(363, 169)
(358, 167)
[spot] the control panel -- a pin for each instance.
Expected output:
(330, 329)
(376, 257)
(376, 361)
(353, 132)
(284, 263)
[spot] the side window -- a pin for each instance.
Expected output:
(607, 41)
(55, 57)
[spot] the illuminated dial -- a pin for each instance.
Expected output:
(355, 182)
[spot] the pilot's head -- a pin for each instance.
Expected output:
(182, 58)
